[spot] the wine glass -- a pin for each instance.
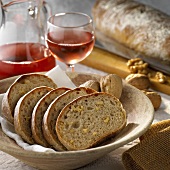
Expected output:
(70, 37)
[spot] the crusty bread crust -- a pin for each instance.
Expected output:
(23, 112)
(38, 114)
(89, 120)
(135, 25)
(51, 115)
(21, 86)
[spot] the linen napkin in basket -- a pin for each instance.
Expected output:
(153, 151)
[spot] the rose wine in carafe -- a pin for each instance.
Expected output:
(21, 58)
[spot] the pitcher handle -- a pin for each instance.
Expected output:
(47, 9)
(2, 22)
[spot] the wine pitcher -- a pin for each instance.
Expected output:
(22, 37)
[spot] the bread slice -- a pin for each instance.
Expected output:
(50, 116)
(23, 112)
(89, 120)
(38, 114)
(20, 87)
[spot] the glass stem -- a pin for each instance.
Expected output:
(70, 66)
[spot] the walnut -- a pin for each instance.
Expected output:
(112, 84)
(140, 81)
(154, 97)
(160, 77)
(93, 84)
(137, 65)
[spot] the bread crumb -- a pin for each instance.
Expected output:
(106, 120)
(94, 133)
(85, 130)
(71, 141)
(99, 103)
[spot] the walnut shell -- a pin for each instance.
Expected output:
(154, 97)
(112, 84)
(93, 84)
(140, 81)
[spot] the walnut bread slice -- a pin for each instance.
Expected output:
(51, 115)
(23, 112)
(20, 87)
(38, 114)
(89, 120)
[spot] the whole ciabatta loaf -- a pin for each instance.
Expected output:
(38, 114)
(135, 25)
(51, 115)
(20, 87)
(23, 112)
(89, 120)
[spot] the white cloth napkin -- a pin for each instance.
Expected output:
(60, 77)
(62, 80)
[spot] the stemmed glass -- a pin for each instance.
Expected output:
(70, 37)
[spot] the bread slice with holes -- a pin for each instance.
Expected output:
(90, 120)
(21, 86)
(51, 115)
(23, 112)
(38, 114)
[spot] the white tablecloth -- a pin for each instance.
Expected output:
(108, 162)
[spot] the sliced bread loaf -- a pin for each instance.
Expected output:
(89, 120)
(38, 114)
(23, 112)
(50, 116)
(20, 87)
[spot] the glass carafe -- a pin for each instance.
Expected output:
(22, 41)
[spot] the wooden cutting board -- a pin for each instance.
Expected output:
(111, 63)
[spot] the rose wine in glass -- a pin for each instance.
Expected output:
(70, 37)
